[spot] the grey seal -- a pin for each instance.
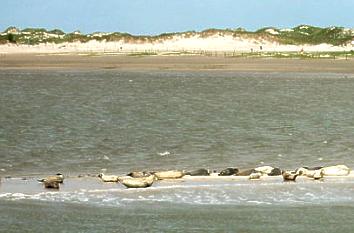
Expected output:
(142, 182)
(275, 172)
(289, 175)
(337, 170)
(108, 178)
(162, 175)
(229, 172)
(199, 172)
(245, 172)
(137, 174)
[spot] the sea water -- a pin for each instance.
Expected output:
(80, 122)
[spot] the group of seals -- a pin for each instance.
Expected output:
(253, 173)
(319, 172)
(316, 173)
(138, 179)
(143, 179)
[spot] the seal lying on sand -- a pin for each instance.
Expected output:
(338, 170)
(246, 172)
(268, 170)
(275, 172)
(142, 182)
(229, 172)
(314, 172)
(108, 178)
(168, 175)
(59, 178)
(255, 176)
(289, 175)
(139, 174)
(318, 174)
(199, 172)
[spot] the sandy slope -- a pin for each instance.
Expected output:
(176, 43)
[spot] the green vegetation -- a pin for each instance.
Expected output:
(138, 54)
(302, 34)
(294, 55)
(11, 38)
(305, 34)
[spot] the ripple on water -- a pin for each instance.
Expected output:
(204, 194)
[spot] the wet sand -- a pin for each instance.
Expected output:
(197, 63)
(31, 186)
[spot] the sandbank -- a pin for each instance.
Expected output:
(30, 185)
(174, 63)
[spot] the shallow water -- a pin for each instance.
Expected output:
(219, 205)
(80, 122)
(62, 217)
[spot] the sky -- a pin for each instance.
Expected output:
(149, 17)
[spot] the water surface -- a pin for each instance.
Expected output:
(81, 122)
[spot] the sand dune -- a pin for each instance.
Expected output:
(195, 43)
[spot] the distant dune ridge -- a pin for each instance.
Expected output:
(298, 39)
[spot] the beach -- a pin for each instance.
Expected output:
(174, 63)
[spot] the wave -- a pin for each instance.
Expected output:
(203, 194)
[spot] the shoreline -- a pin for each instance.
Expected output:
(174, 63)
(30, 185)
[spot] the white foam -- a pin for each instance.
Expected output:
(229, 192)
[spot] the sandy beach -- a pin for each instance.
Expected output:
(187, 63)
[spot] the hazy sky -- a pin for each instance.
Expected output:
(158, 16)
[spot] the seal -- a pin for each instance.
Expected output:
(337, 170)
(318, 174)
(315, 173)
(275, 172)
(59, 178)
(246, 172)
(50, 184)
(137, 174)
(269, 170)
(108, 178)
(162, 175)
(289, 175)
(199, 172)
(255, 176)
(229, 172)
(142, 182)
(313, 168)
